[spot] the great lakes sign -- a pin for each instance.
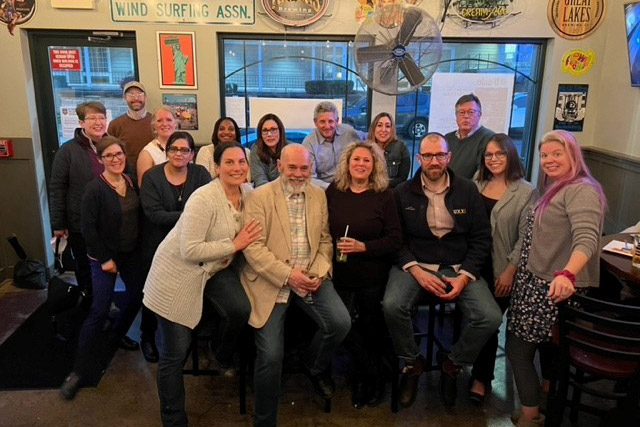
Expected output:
(185, 11)
(575, 19)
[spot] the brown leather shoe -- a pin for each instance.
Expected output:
(409, 382)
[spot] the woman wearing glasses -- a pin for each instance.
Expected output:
(164, 193)
(266, 151)
(507, 198)
(164, 123)
(110, 219)
(195, 262)
(396, 154)
(76, 163)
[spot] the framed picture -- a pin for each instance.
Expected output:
(571, 107)
(185, 107)
(177, 60)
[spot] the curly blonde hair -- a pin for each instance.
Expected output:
(378, 180)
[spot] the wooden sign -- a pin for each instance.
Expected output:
(575, 19)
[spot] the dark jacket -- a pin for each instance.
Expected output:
(161, 206)
(102, 219)
(469, 243)
(398, 162)
(74, 166)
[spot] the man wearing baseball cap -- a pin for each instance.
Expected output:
(134, 127)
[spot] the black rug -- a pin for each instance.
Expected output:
(33, 357)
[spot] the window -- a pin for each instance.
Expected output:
(298, 70)
(522, 60)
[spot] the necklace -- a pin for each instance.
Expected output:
(175, 187)
(159, 146)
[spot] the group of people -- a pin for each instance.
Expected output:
(332, 226)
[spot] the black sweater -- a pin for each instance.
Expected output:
(469, 243)
(161, 206)
(373, 220)
(102, 219)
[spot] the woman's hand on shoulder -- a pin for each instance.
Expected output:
(249, 234)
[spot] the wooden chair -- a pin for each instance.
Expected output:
(597, 340)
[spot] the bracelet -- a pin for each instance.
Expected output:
(566, 273)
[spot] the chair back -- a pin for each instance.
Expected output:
(601, 337)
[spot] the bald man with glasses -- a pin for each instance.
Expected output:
(467, 144)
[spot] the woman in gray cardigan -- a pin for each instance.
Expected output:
(507, 198)
(194, 261)
(560, 256)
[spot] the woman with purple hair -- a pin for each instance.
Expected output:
(559, 258)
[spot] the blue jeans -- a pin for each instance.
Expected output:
(225, 292)
(333, 321)
(103, 283)
(175, 340)
(478, 307)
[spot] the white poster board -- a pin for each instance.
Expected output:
(295, 113)
(235, 108)
(495, 92)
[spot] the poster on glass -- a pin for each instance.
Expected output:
(177, 60)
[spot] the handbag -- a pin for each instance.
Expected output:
(27, 273)
(61, 295)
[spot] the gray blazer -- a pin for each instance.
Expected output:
(509, 223)
(200, 245)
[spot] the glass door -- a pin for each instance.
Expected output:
(74, 67)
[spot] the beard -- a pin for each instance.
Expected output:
(433, 174)
(294, 185)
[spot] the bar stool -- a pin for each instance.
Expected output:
(432, 340)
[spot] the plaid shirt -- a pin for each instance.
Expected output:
(300, 247)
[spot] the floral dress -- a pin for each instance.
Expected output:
(532, 314)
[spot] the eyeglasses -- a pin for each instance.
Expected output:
(134, 94)
(427, 157)
(112, 157)
(181, 150)
(500, 155)
(463, 113)
(270, 130)
(95, 119)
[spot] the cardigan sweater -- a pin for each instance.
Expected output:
(102, 218)
(467, 153)
(375, 222)
(200, 245)
(509, 223)
(572, 221)
(160, 203)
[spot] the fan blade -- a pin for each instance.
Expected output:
(373, 53)
(412, 18)
(388, 76)
(411, 70)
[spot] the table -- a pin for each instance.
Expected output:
(620, 265)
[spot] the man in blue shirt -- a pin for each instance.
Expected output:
(326, 142)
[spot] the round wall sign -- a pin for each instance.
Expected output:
(575, 19)
(578, 61)
(295, 13)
